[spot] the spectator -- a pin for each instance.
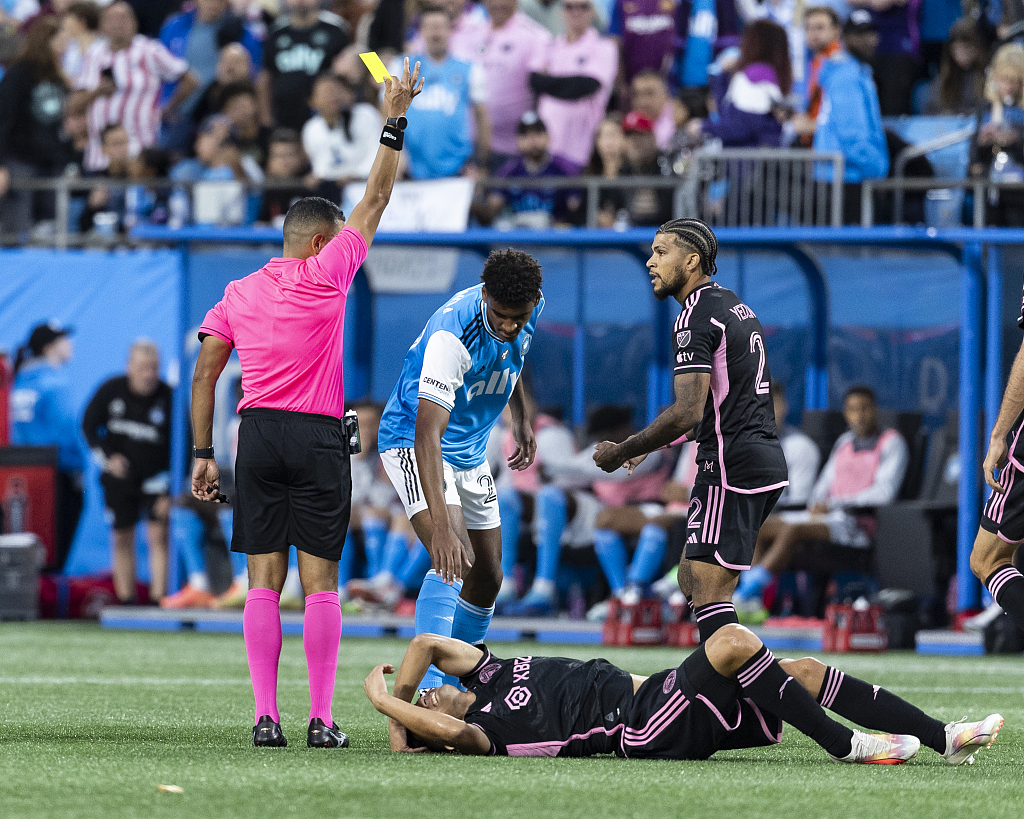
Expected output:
(76, 133)
(896, 58)
(285, 163)
(748, 98)
(789, 14)
(80, 32)
(217, 156)
(959, 87)
(128, 426)
(849, 120)
(32, 96)
(145, 204)
(608, 160)
(646, 34)
(997, 151)
(865, 469)
(43, 413)
(644, 205)
(299, 47)
(463, 14)
(802, 455)
(532, 207)
(506, 45)
(573, 77)
(341, 140)
(122, 79)
(233, 66)
(823, 31)
(451, 133)
(104, 200)
(238, 104)
(704, 33)
(649, 96)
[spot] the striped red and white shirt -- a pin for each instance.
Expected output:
(139, 71)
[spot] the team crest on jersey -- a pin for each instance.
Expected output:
(488, 671)
(527, 338)
(504, 354)
(670, 681)
(117, 407)
(682, 338)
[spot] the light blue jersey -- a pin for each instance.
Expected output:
(459, 363)
(43, 414)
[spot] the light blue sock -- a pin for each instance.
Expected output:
(753, 581)
(396, 552)
(187, 532)
(347, 564)
(510, 509)
(552, 515)
(417, 561)
(471, 622)
(649, 555)
(611, 554)
(375, 533)
(435, 614)
(293, 557)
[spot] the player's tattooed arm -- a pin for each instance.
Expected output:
(522, 429)
(1013, 403)
(691, 391)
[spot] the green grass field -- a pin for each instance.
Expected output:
(92, 721)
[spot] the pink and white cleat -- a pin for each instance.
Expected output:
(964, 739)
(880, 749)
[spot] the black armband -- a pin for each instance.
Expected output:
(207, 452)
(392, 137)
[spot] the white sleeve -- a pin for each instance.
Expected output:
(802, 459)
(477, 85)
(445, 361)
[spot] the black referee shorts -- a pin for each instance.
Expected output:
(293, 484)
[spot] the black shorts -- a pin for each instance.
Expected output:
(1004, 513)
(127, 502)
(722, 525)
(692, 711)
(293, 484)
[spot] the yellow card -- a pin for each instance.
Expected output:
(377, 68)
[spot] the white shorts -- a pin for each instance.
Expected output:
(470, 489)
(843, 528)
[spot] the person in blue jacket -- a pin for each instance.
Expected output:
(43, 413)
(850, 120)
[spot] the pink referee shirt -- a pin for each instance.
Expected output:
(573, 123)
(287, 322)
(506, 54)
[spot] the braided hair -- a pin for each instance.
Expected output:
(698, 236)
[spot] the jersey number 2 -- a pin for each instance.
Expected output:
(761, 387)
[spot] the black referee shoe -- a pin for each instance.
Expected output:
(268, 734)
(320, 736)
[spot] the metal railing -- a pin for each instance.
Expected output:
(724, 187)
(921, 149)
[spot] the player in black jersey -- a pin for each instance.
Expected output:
(729, 693)
(723, 400)
(128, 426)
(1002, 522)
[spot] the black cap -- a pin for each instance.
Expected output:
(43, 334)
(860, 21)
(530, 122)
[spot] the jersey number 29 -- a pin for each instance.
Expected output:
(761, 387)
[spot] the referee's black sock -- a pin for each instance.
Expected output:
(712, 617)
(1007, 587)
(772, 689)
(876, 709)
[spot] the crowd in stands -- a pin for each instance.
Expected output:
(211, 90)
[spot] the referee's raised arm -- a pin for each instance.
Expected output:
(398, 95)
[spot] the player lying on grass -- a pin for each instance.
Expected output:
(730, 693)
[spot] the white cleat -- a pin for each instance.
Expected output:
(978, 622)
(880, 749)
(964, 739)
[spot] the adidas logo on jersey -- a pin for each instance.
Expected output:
(497, 383)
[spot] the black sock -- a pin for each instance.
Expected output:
(1007, 587)
(876, 709)
(772, 689)
(713, 616)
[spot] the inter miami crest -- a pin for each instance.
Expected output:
(682, 338)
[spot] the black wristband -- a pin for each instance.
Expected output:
(203, 453)
(392, 138)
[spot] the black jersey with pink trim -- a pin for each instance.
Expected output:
(549, 706)
(737, 444)
(1015, 437)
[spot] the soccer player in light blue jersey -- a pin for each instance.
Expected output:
(457, 378)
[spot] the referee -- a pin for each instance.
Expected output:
(292, 476)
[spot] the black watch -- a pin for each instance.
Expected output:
(203, 453)
(397, 122)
